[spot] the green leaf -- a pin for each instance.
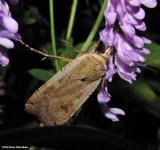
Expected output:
(79, 46)
(31, 16)
(41, 74)
(29, 21)
(32, 12)
(154, 58)
(155, 85)
(143, 91)
(68, 53)
(145, 95)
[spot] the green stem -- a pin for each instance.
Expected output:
(71, 20)
(95, 27)
(53, 41)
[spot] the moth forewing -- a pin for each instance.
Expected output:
(61, 96)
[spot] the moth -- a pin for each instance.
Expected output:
(61, 96)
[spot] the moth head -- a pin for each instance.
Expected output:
(106, 53)
(30, 106)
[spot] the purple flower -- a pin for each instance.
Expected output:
(123, 18)
(8, 30)
(3, 58)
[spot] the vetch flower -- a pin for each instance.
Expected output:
(123, 18)
(8, 30)
(3, 58)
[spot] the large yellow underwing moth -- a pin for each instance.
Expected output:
(61, 96)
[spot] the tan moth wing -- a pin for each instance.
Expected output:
(61, 96)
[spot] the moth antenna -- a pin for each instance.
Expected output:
(44, 54)
(150, 69)
(68, 44)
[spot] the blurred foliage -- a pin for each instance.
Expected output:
(27, 71)
(41, 74)
(153, 59)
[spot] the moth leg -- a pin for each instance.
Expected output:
(103, 83)
(79, 51)
(44, 54)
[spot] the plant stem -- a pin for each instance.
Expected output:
(53, 41)
(71, 20)
(95, 27)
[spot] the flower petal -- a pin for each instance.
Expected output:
(117, 111)
(136, 41)
(110, 14)
(147, 41)
(140, 14)
(149, 3)
(103, 96)
(10, 24)
(6, 43)
(127, 28)
(125, 72)
(9, 35)
(3, 58)
(145, 51)
(111, 112)
(135, 2)
(111, 70)
(113, 117)
(108, 36)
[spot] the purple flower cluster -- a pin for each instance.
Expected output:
(123, 18)
(8, 30)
